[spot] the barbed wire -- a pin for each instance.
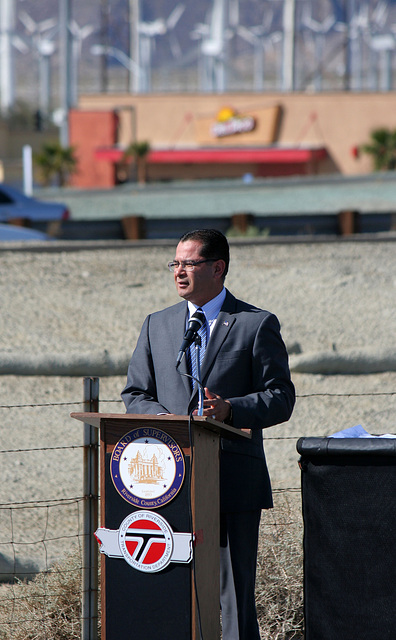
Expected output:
(116, 401)
(72, 446)
(42, 404)
(266, 438)
(52, 502)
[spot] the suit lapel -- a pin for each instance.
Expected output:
(221, 330)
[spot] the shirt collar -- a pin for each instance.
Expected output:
(212, 308)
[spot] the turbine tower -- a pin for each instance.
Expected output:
(78, 34)
(65, 71)
(134, 45)
(213, 50)
(7, 81)
(288, 69)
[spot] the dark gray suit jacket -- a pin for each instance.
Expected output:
(245, 361)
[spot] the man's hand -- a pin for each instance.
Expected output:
(215, 407)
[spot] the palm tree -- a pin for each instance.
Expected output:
(382, 148)
(56, 161)
(139, 152)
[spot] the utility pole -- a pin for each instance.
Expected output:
(65, 75)
(7, 26)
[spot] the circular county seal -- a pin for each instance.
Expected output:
(147, 468)
(146, 541)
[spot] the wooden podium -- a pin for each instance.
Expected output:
(182, 598)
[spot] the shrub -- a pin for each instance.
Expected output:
(139, 151)
(55, 161)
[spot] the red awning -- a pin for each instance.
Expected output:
(269, 155)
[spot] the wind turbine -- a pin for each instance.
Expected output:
(212, 35)
(36, 29)
(7, 28)
(359, 29)
(382, 45)
(44, 48)
(320, 30)
(147, 32)
(199, 32)
(258, 56)
(261, 38)
(79, 34)
(117, 54)
(365, 29)
(288, 62)
(65, 80)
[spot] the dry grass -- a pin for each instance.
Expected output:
(47, 607)
(279, 591)
(50, 605)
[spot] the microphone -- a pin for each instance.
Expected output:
(194, 324)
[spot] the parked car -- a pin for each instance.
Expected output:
(19, 209)
(11, 233)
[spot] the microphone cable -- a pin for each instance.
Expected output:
(190, 515)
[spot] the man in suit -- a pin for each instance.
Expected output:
(247, 384)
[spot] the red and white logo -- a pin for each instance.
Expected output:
(146, 541)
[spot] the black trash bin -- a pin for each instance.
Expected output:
(349, 511)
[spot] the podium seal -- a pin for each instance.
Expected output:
(147, 468)
(146, 541)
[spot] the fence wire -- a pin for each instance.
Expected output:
(41, 534)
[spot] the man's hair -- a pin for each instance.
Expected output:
(214, 244)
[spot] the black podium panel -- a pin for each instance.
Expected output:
(139, 604)
(349, 511)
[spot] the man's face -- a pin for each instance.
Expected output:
(204, 282)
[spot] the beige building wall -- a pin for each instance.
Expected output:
(338, 121)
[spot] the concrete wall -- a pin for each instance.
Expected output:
(12, 141)
(338, 121)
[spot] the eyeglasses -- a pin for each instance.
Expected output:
(188, 265)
